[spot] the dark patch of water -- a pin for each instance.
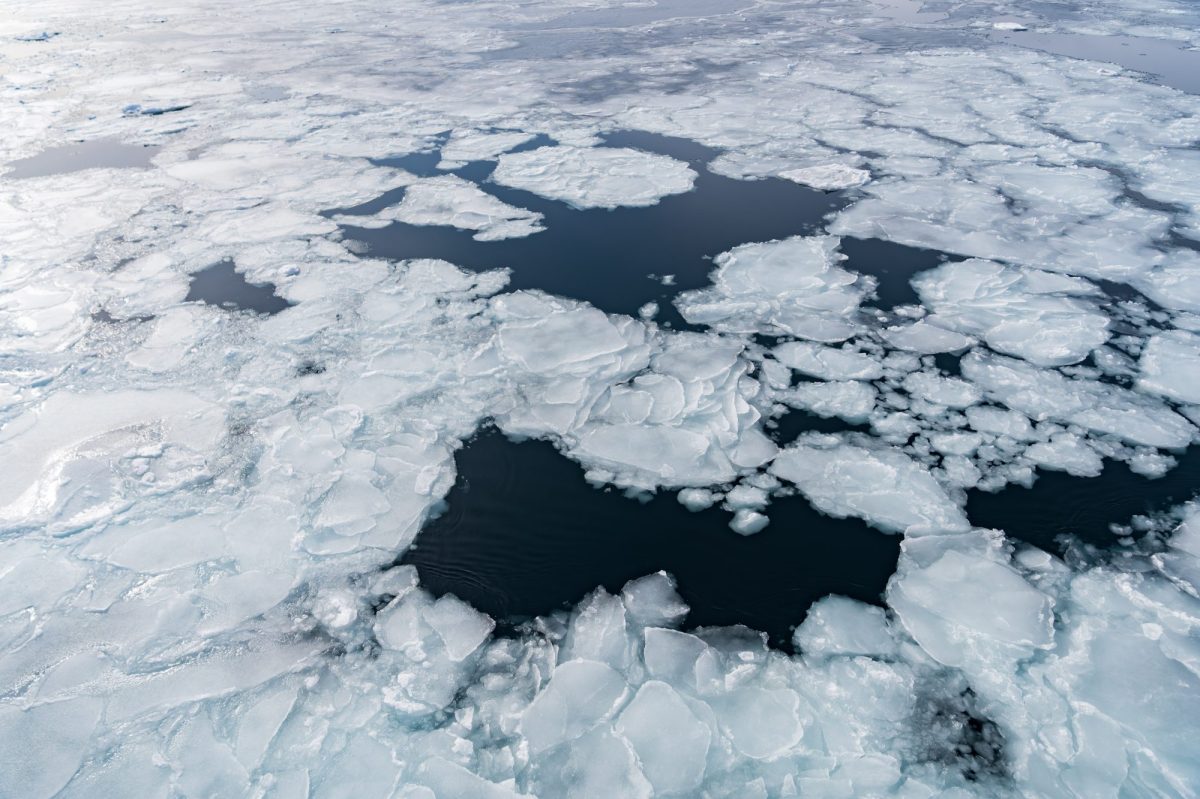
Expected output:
(222, 285)
(105, 317)
(525, 535)
(94, 154)
(136, 110)
(1059, 505)
(893, 266)
(787, 428)
(605, 257)
(949, 363)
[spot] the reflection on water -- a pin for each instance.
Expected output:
(94, 154)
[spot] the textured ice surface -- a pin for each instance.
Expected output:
(1034, 315)
(199, 509)
(883, 487)
(595, 177)
(450, 200)
(792, 286)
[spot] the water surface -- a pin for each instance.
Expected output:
(611, 258)
(222, 285)
(524, 534)
(76, 157)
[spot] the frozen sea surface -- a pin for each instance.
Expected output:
(717, 399)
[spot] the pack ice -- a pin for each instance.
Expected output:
(201, 509)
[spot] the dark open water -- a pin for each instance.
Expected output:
(524, 534)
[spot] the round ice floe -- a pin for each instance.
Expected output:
(849, 399)
(595, 177)
(948, 391)
(926, 338)
(828, 177)
(828, 363)
(1067, 453)
(450, 200)
(1104, 408)
(794, 286)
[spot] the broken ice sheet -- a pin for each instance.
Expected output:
(191, 584)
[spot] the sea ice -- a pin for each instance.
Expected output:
(450, 200)
(1038, 316)
(202, 510)
(883, 487)
(1170, 365)
(791, 286)
(595, 177)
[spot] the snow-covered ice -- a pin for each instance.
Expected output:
(595, 177)
(201, 509)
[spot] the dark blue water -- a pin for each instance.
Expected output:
(607, 257)
(225, 287)
(1059, 507)
(524, 534)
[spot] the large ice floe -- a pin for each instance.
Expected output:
(202, 508)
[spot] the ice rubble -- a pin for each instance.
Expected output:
(595, 177)
(191, 593)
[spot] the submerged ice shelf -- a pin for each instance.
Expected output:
(941, 267)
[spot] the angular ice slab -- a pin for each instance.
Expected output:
(595, 177)
(794, 286)
(883, 487)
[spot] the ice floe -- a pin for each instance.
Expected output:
(595, 177)
(202, 510)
